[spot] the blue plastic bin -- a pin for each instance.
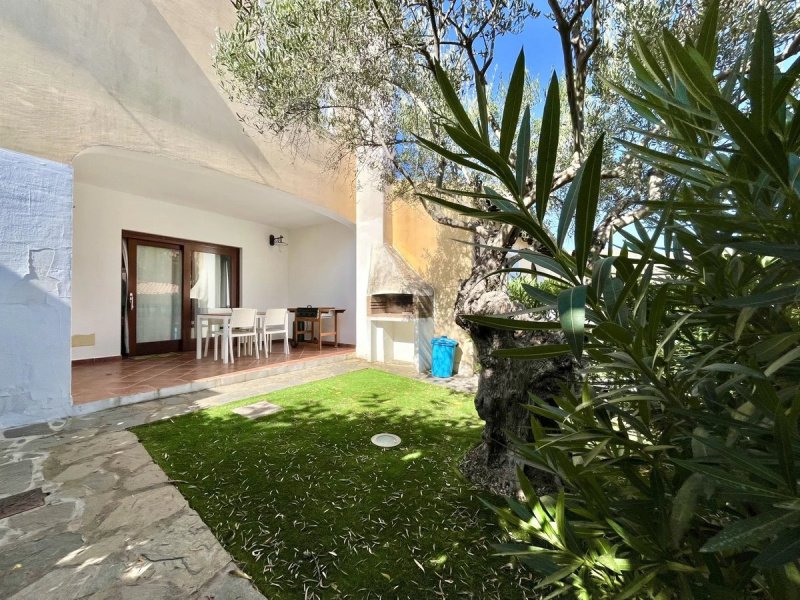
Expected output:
(444, 355)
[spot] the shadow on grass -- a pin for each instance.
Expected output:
(311, 508)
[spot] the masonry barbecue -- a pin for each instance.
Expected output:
(400, 310)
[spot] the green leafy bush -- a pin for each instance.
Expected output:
(519, 290)
(679, 456)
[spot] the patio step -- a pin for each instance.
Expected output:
(211, 382)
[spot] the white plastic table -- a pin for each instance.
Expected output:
(223, 319)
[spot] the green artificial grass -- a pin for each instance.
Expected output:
(311, 508)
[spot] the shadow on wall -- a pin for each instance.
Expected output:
(35, 289)
(35, 355)
(447, 261)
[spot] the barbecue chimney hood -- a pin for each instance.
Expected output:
(389, 273)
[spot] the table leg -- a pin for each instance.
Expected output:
(198, 329)
(226, 332)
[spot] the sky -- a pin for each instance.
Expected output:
(542, 53)
(542, 49)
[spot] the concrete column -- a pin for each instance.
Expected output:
(35, 289)
(369, 233)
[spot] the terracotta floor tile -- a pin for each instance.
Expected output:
(98, 381)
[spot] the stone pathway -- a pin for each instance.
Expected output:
(467, 384)
(112, 526)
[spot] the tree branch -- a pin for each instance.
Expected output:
(434, 31)
(564, 30)
(791, 50)
(567, 176)
(437, 214)
(614, 220)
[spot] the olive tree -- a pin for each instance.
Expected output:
(363, 75)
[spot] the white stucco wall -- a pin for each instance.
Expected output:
(322, 264)
(369, 233)
(100, 216)
(393, 341)
(35, 290)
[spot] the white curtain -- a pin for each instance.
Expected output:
(126, 340)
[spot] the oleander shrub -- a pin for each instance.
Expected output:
(677, 459)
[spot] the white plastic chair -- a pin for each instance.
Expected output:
(242, 325)
(275, 321)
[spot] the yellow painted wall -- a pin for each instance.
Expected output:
(137, 74)
(443, 262)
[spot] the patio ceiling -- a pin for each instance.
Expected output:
(196, 186)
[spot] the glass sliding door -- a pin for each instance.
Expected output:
(155, 296)
(212, 282)
(168, 282)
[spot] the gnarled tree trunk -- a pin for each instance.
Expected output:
(504, 385)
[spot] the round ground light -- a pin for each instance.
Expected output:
(386, 440)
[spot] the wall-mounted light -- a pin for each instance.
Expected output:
(276, 240)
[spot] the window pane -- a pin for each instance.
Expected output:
(158, 294)
(211, 282)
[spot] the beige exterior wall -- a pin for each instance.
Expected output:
(443, 262)
(137, 74)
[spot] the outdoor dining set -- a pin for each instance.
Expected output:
(256, 329)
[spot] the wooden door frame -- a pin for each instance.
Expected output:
(187, 248)
(139, 348)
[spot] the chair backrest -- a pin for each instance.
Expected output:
(243, 318)
(274, 317)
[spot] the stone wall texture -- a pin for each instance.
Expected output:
(35, 288)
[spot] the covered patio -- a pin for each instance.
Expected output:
(277, 250)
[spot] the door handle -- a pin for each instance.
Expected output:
(131, 301)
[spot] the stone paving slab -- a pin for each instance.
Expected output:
(29, 561)
(259, 409)
(16, 476)
(113, 527)
(467, 384)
